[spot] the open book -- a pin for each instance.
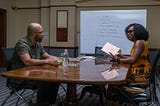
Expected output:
(110, 48)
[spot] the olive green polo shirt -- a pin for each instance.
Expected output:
(24, 46)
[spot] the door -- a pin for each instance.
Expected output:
(2, 35)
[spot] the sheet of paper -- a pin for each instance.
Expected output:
(109, 74)
(108, 47)
(88, 57)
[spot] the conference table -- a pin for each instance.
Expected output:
(86, 71)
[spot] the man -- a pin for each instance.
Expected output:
(29, 51)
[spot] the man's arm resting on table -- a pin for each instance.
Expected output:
(27, 60)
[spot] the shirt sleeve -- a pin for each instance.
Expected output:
(21, 48)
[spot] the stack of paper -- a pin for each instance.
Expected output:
(109, 74)
(110, 48)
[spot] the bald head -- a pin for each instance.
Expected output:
(35, 32)
(34, 27)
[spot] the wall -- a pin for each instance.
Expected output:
(4, 4)
(43, 11)
(71, 27)
(21, 13)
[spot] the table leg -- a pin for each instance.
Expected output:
(71, 96)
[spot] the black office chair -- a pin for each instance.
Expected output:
(92, 89)
(142, 93)
(15, 88)
(99, 52)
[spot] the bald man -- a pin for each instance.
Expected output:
(29, 51)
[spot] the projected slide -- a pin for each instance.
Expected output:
(101, 26)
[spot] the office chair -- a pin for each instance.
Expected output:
(99, 52)
(143, 93)
(15, 88)
(93, 89)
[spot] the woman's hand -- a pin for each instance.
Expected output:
(114, 57)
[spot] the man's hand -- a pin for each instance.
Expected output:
(52, 61)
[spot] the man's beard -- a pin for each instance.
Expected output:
(38, 39)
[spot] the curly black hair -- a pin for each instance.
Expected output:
(139, 30)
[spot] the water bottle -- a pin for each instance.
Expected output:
(65, 57)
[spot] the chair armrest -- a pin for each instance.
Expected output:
(133, 89)
(142, 85)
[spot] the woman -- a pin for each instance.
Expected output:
(139, 58)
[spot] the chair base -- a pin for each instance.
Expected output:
(98, 90)
(19, 95)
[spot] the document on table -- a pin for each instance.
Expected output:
(88, 57)
(109, 74)
(110, 48)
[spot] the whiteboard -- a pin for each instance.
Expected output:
(100, 26)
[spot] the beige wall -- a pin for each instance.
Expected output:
(44, 12)
(4, 4)
(71, 27)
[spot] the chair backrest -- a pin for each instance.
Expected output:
(154, 57)
(98, 52)
(8, 53)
